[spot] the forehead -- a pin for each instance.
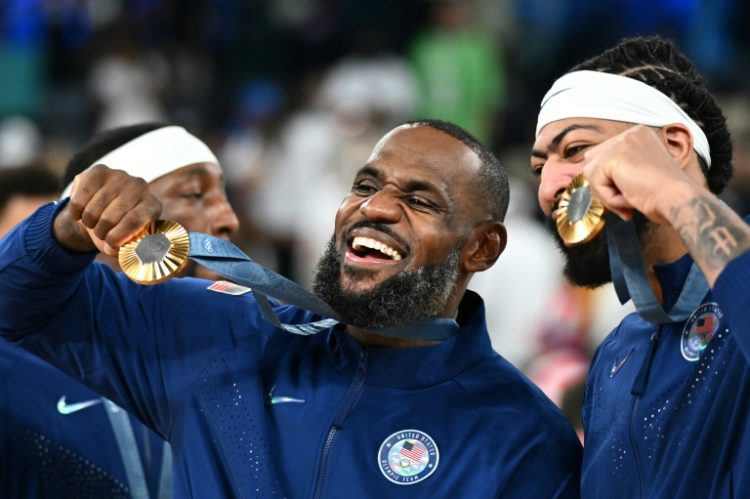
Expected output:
(196, 170)
(424, 151)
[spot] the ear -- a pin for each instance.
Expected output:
(486, 243)
(678, 141)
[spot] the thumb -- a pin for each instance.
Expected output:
(100, 244)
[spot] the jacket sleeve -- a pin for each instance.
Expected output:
(551, 469)
(140, 346)
(732, 293)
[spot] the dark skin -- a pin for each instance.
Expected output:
(652, 170)
(419, 182)
(107, 208)
(195, 197)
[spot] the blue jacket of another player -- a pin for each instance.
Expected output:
(59, 439)
(667, 410)
(252, 411)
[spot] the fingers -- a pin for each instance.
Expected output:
(131, 224)
(112, 206)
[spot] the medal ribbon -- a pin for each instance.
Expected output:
(631, 279)
(131, 460)
(229, 261)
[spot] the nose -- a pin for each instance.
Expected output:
(556, 175)
(381, 207)
(224, 223)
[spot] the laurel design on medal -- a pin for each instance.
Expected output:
(157, 254)
(580, 216)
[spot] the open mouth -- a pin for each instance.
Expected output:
(367, 249)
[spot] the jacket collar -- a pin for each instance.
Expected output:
(672, 277)
(417, 367)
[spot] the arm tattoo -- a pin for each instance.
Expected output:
(712, 232)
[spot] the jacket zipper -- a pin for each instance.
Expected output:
(638, 389)
(338, 421)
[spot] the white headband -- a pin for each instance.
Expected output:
(593, 94)
(155, 154)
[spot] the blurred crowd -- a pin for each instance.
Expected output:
(292, 95)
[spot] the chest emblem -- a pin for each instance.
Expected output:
(408, 457)
(699, 329)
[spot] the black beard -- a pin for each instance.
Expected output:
(401, 299)
(587, 265)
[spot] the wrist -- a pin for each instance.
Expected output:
(71, 234)
(677, 195)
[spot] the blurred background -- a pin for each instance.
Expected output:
(293, 94)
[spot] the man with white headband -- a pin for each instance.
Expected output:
(254, 411)
(667, 399)
(58, 438)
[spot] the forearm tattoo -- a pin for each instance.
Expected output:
(712, 232)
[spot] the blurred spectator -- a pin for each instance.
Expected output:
(127, 83)
(377, 82)
(23, 190)
(248, 154)
(22, 56)
(460, 70)
(737, 193)
(20, 142)
(533, 265)
(257, 110)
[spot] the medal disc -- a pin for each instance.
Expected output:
(157, 254)
(580, 216)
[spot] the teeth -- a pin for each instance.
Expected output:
(366, 242)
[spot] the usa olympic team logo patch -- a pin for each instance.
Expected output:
(699, 329)
(408, 457)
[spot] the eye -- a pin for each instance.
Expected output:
(536, 170)
(193, 195)
(419, 202)
(573, 151)
(363, 188)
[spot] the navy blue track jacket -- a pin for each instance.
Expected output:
(57, 440)
(252, 411)
(667, 409)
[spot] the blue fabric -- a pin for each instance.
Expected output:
(205, 370)
(46, 454)
(657, 425)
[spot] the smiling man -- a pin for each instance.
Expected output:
(58, 438)
(666, 407)
(254, 411)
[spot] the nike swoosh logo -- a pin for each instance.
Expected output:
(617, 365)
(65, 408)
(554, 95)
(282, 400)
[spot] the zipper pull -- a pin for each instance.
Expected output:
(641, 380)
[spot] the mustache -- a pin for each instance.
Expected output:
(384, 228)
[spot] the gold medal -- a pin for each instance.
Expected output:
(157, 254)
(580, 216)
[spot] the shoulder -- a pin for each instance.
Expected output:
(18, 364)
(508, 399)
(204, 304)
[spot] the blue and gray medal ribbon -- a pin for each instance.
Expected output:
(151, 255)
(580, 217)
(630, 277)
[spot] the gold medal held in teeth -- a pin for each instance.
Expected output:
(157, 254)
(580, 216)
